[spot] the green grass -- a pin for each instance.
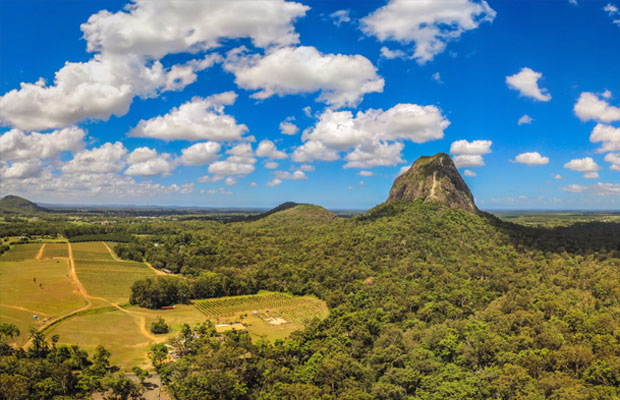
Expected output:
(255, 312)
(20, 252)
(91, 251)
(52, 250)
(111, 280)
(51, 295)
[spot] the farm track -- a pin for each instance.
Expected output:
(112, 253)
(40, 253)
(24, 309)
(87, 298)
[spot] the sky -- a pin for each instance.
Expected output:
(253, 103)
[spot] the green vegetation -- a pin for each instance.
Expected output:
(17, 205)
(159, 327)
(425, 302)
(102, 237)
(53, 250)
(21, 252)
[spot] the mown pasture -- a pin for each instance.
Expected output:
(54, 250)
(20, 252)
(91, 251)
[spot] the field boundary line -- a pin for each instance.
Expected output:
(112, 253)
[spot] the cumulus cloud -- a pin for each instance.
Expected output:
(271, 165)
(296, 175)
(21, 169)
(368, 155)
(158, 165)
(239, 162)
(365, 173)
(288, 128)
(306, 167)
(474, 147)
(200, 153)
(608, 135)
(526, 82)
(128, 46)
(198, 119)
(108, 158)
(469, 173)
(341, 80)
(369, 133)
(590, 106)
(525, 120)
(17, 145)
(614, 159)
(428, 24)
(607, 189)
(586, 165)
(274, 182)
(532, 158)
(230, 181)
(266, 148)
(613, 12)
(469, 154)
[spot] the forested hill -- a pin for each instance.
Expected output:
(427, 302)
(15, 205)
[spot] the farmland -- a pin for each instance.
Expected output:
(91, 251)
(53, 250)
(266, 315)
(21, 252)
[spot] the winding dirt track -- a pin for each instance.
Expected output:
(87, 299)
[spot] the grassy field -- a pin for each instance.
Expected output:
(111, 280)
(35, 287)
(52, 250)
(91, 251)
(267, 315)
(21, 252)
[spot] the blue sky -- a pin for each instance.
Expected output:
(253, 104)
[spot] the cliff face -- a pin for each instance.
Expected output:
(433, 178)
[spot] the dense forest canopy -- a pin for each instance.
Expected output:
(426, 302)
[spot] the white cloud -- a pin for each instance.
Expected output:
(614, 159)
(589, 106)
(340, 17)
(240, 162)
(266, 148)
(574, 188)
(437, 77)
(392, 54)
(191, 26)
(403, 169)
(427, 23)
(606, 94)
(613, 12)
(475, 147)
(252, 184)
(288, 128)
(307, 111)
(607, 134)
(274, 182)
(198, 119)
(365, 173)
(525, 120)
(470, 173)
(607, 189)
(21, 169)
(526, 82)
(586, 165)
(206, 178)
(297, 175)
(200, 153)
(368, 155)
(341, 80)
(108, 158)
(230, 181)
(307, 167)
(369, 133)
(532, 158)
(158, 165)
(17, 145)
(271, 165)
(556, 176)
(468, 160)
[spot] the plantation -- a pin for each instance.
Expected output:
(20, 252)
(111, 280)
(91, 251)
(53, 250)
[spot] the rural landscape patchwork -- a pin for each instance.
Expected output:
(330, 200)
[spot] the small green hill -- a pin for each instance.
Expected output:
(293, 211)
(11, 204)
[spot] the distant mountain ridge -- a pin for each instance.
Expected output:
(433, 178)
(16, 204)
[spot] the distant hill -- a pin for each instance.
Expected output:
(291, 210)
(433, 178)
(15, 205)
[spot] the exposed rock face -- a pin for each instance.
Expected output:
(433, 178)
